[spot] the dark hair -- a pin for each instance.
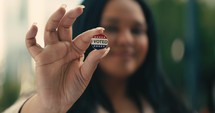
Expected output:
(147, 82)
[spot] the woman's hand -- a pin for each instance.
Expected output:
(61, 74)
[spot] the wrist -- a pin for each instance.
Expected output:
(34, 105)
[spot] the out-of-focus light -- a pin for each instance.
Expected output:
(2, 48)
(209, 3)
(1, 33)
(177, 50)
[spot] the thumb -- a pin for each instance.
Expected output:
(92, 61)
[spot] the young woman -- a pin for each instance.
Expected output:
(127, 79)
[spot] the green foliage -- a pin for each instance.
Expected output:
(171, 19)
(170, 23)
(11, 90)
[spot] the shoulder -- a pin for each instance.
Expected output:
(146, 106)
(100, 109)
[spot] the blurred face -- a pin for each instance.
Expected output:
(125, 26)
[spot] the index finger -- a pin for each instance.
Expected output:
(82, 41)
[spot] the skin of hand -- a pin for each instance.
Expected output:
(61, 74)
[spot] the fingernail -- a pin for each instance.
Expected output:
(81, 6)
(64, 6)
(100, 28)
(107, 51)
(35, 23)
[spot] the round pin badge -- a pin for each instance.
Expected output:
(99, 41)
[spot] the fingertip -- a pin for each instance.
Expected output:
(77, 11)
(63, 6)
(81, 6)
(33, 31)
(34, 24)
(100, 28)
(106, 52)
(108, 49)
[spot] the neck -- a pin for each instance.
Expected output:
(116, 92)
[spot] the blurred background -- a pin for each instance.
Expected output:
(186, 32)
